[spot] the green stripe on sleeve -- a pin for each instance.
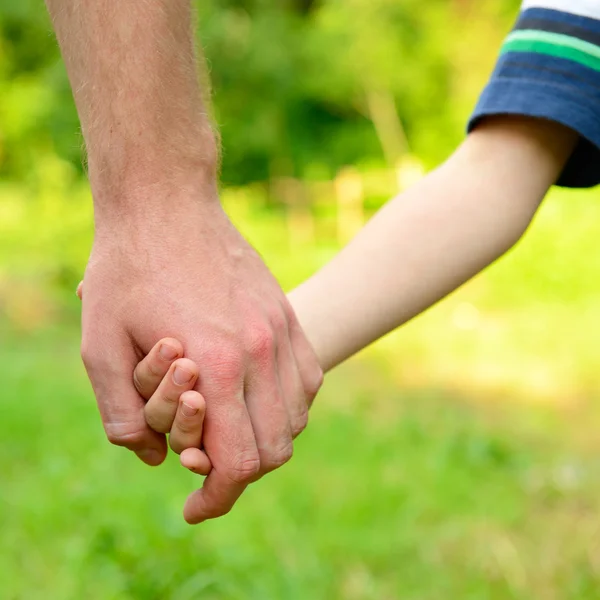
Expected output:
(553, 44)
(560, 39)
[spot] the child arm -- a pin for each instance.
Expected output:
(429, 240)
(421, 246)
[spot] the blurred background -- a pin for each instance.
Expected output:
(457, 458)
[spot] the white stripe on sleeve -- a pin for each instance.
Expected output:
(584, 8)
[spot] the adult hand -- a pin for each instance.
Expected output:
(180, 269)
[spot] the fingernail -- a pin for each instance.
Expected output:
(181, 376)
(152, 457)
(168, 352)
(188, 411)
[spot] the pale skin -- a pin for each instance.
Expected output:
(166, 261)
(421, 246)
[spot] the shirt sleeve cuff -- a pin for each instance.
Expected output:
(555, 102)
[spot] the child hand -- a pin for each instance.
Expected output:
(166, 381)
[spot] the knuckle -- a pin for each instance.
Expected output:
(157, 421)
(176, 445)
(261, 342)
(168, 398)
(314, 383)
(279, 321)
(299, 424)
(244, 469)
(125, 435)
(277, 458)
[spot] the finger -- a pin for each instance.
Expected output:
(196, 461)
(267, 410)
(161, 409)
(120, 405)
(215, 499)
(187, 426)
(229, 442)
(294, 396)
(150, 371)
(307, 362)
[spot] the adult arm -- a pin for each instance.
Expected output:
(165, 260)
(421, 246)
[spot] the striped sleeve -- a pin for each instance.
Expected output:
(549, 67)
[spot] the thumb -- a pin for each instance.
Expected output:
(109, 361)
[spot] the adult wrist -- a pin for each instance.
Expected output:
(127, 161)
(131, 178)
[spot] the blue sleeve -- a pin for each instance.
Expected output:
(549, 68)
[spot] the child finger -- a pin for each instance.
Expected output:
(161, 409)
(187, 427)
(151, 370)
(196, 461)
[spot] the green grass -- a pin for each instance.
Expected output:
(393, 493)
(457, 459)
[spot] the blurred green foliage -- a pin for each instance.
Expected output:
(403, 486)
(301, 88)
(291, 79)
(393, 494)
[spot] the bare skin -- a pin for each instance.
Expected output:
(166, 261)
(420, 247)
(431, 239)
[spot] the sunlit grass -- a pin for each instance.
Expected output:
(427, 471)
(393, 493)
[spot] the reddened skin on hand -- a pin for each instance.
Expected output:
(233, 336)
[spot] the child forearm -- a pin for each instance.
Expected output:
(431, 239)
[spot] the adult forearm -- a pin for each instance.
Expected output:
(133, 72)
(433, 238)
